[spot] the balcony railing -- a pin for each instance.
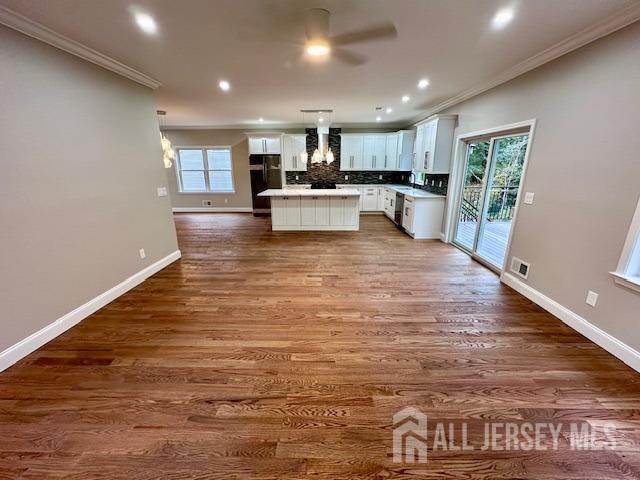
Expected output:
(501, 202)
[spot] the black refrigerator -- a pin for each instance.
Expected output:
(265, 173)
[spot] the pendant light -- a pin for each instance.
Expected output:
(168, 155)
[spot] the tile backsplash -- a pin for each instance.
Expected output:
(331, 173)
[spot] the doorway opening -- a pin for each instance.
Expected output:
(492, 174)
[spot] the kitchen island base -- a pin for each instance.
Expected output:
(308, 210)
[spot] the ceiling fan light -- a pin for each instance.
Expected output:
(317, 49)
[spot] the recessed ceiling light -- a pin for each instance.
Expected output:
(224, 85)
(378, 119)
(261, 119)
(502, 18)
(146, 23)
(424, 83)
(405, 98)
(389, 110)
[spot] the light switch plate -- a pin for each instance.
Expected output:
(162, 191)
(592, 298)
(528, 198)
(142, 254)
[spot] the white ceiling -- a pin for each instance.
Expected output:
(248, 43)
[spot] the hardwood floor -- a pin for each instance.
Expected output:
(285, 355)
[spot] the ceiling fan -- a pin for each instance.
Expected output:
(319, 43)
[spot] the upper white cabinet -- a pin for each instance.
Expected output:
(377, 151)
(433, 144)
(351, 152)
(406, 140)
(292, 148)
(264, 145)
(374, 151)
(391, 152)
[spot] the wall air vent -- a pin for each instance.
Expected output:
(520, 267)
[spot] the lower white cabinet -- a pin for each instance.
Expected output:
(315, 211)
(310, 212)
(370, 199)
(422, 217)
(389, 201)
(285, 211)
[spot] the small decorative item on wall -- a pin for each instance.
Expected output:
(168, 155)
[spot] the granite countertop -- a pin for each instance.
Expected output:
(307, 192)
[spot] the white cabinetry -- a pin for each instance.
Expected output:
(433, 144)
(370, 199)
(292, 148)
(351, 150)
(391, 152)
(285, 211)
(344, 211)
(315, 211)
(374, 151)
(389, 199)
(264, 145)
(422, 217)
(406, 139)
(377, 151)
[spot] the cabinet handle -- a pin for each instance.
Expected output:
(406, 211)
(314, 198)
(285, 198)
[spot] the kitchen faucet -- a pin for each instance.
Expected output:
(413, 184)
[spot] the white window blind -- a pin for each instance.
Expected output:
(206, 169)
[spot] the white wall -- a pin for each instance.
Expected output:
(584, 168)
(81, 160)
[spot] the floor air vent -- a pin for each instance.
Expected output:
(520, 267)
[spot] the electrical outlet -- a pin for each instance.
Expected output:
(297, 177)
(592, 298)
(226, 200)
(142, 254)
(528, 198)
(207, 203)
(346, 177)
(440, 184)
(162, 191)
(433, 182)
(379, 177)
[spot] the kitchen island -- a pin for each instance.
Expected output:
(309, 209)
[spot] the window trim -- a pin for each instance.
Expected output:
(206, 169)
(630, 252)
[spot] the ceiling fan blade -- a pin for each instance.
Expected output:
(381, 31)
(348, 57)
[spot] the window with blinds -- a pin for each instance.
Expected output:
(205, 169)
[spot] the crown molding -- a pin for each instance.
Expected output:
(621, 19)
(38, 31)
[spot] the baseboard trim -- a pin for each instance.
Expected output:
(619, 349)
(212, 209)
(34, 341)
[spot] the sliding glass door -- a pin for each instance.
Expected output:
(493, 171)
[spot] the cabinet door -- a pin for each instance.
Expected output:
(256, 146)
(407, 216)
(351, 211)
(368, 152)
(292, 211)
(336, 210)
(370, 199)
(379, 151)
(391, 152)
(272, 146)
(308, 210)
(278, 207)
(323, 211)
(357, 145)
(287, 153)
(299, 145)
(418, 146)
(380, 206)
(345, 153)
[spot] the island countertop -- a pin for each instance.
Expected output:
(308, 192)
